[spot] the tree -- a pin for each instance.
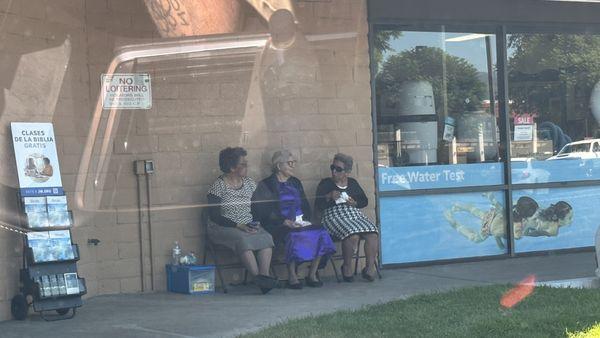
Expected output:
(545, 68)
(381, 44)
(575, 56)
(463, 87)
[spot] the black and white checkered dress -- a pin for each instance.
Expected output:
(344, 220)
(235, 203)
(235, 207)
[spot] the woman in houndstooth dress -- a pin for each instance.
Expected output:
(339, 200)
(230, 218)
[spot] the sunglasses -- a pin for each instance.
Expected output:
(336, 168)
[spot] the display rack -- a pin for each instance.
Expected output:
(49, 282)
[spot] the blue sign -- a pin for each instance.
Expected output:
(533, 171)
(440, 176)
(434, 227)
(564, 218)
(50, 191)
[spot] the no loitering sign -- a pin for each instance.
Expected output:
(126, 91)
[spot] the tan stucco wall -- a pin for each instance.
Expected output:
(319, 106)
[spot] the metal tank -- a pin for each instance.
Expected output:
(417, 127)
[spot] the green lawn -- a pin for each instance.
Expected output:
(470, 312)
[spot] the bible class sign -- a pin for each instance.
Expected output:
(36, 159)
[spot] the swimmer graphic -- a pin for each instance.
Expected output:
(528, 219)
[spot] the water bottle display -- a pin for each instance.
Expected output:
(176, 253)
(189, 259)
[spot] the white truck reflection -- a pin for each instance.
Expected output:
(585, 149)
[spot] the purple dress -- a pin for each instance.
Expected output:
(305, 243)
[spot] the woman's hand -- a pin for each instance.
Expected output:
(246, 228)
(351, 201)
(289, 223)
(334, 195)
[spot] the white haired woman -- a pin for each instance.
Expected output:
(280, 204)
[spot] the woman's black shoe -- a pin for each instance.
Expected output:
(347, 279)
(366, 276)
(295, 286)
(266, 283)
(313, 283)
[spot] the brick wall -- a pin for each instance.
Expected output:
(316, 103)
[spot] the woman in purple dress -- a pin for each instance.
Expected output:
(279, 203)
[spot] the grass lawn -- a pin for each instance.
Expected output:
(470, 312)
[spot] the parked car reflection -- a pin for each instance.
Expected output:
(585, 149)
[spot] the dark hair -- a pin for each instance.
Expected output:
(230, 157)
(46, 160)
(525, 207)
(556, 212)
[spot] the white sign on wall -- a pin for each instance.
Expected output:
(126, 91)
(449, 125)
(37, 160)
(523, 132)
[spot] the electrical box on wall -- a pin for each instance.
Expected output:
(143, 167)
(149, 166)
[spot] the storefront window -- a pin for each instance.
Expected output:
(437, 127)
(554, 102)
(434, 92)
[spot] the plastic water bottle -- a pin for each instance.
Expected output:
(192, 258)
(176, 253)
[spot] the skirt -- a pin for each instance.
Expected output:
(238, 240)
(306, 244)
(343, 220)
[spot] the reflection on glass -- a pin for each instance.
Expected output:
(552, 94)
(434, 92)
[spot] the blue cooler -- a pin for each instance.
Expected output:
(191, 279)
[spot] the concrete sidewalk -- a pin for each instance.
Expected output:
(244, 310)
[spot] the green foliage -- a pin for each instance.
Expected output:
(574, 58)
(381, 44)
(463, 88)
(469, 312)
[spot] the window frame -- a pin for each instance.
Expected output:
(501, 31)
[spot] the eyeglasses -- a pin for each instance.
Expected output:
(336, 168)
(291, 163)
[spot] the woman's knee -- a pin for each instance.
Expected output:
(352, 239)
(371, 236)
(265, 250)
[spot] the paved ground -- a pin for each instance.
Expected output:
(244, 310)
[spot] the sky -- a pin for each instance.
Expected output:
(472, 50)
